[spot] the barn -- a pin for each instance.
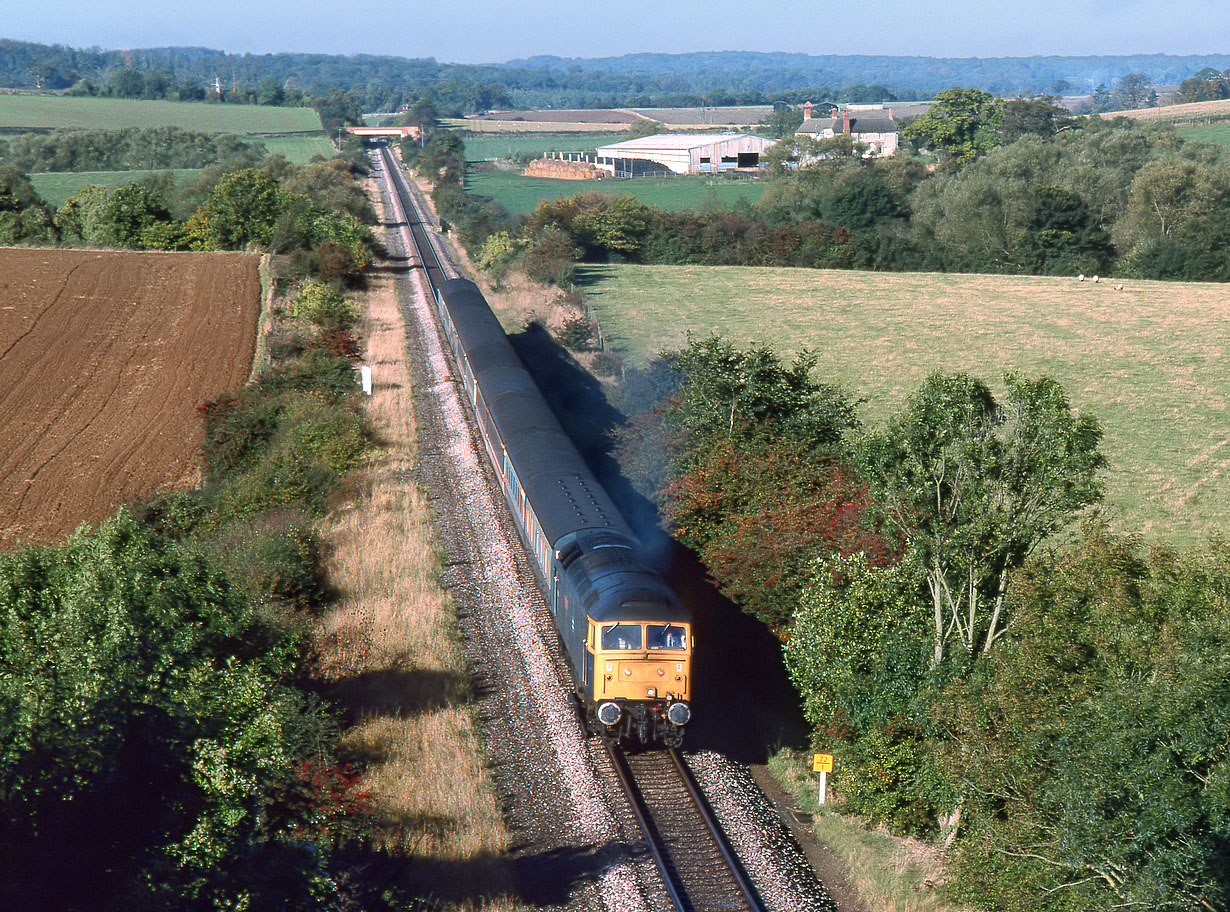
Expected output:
(682, 153)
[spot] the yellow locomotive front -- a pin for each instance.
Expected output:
(642, 678)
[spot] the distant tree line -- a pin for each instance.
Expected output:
(128, 149)
(383, 83)
(1020, 187)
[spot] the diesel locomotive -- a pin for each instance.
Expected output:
(627, 636)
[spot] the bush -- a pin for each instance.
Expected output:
(577, 333)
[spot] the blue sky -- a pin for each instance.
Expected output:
(481, 31)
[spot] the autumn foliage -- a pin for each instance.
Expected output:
(761, 513)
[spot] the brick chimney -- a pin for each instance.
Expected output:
(807, 110)
(845, 121)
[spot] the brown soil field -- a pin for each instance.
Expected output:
(104, 357)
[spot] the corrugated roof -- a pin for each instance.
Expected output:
(672, 141)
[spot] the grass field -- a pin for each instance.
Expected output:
(1152, 362)
(57, 186)
(297, 149)
(42, 111)
(1218, 133)
(519, 194)
(491, 147)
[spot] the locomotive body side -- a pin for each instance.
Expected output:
(583, 554)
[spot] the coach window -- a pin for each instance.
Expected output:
(665, 636)
(621, 636)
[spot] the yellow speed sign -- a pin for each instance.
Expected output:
(822, 763)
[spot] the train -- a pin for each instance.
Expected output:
(627, 637)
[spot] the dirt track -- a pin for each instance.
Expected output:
(104, 357)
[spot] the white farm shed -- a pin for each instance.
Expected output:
(682, 153)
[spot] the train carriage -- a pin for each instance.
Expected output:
(627, 637)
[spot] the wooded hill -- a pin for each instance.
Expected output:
(383, 82)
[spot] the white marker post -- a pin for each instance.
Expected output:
(822, 764)
(365, 377)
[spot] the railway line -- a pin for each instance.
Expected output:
(698, 870)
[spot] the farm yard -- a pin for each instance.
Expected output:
(103, 360)
(1149, 361)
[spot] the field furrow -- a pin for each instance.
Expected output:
(105, 357)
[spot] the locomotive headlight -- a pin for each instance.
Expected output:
(609, 713)
(679, 713)
(628, 672)
(661, 672)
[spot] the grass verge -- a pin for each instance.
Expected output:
(889, 873)
(388, 651)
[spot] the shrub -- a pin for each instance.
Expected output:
(577, 333)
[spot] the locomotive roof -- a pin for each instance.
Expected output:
(614, 583)
(565, 494)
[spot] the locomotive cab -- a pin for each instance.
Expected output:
(642, 676)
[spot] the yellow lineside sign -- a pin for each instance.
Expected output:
(822, 763)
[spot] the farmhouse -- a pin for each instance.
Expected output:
(682, 153)
(870, 124)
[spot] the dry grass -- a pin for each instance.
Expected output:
(1193, 112)
(390, 651)
(1150, 361)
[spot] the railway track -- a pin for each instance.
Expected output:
(423, 252)
(698, 869)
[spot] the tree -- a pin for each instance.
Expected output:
(643, 126)
(136, 683)
(1135, 90)
(760, 512)
(961, 125)
(270, 91)
(1032, 117)
(973, 487)
(1095, 747)
(242, 208)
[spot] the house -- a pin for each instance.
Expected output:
(873, 125)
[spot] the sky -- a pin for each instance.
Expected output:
(490, 31)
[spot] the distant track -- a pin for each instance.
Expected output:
(413, 213)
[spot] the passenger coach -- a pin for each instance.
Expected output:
(628, 638)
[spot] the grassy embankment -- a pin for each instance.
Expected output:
(302, 137)
(1149, 361)
(389, 648)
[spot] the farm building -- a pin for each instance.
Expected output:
(682, 153)
(872, 125)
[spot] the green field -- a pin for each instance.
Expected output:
(520, 194)
(57, 186)
(490, 146)
(1152, 361)
(297, 149)
(43, 111)
(1218, 133)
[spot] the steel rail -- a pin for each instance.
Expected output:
(412, 214)
(743, 897)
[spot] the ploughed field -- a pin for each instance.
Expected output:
(104, 357)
